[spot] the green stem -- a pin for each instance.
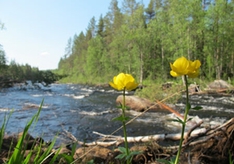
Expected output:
(124, 126)
(184, 121)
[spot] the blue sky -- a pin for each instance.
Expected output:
(37, 32)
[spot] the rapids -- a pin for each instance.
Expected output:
(81, 109)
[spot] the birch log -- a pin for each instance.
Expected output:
(109, 140)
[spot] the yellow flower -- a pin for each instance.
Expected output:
(123, 81)
(182, 66)
(194, 68)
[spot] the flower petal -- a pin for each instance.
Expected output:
(194, 74)
(182, 66)
(131, 85)
(123, 81)
(174, 74)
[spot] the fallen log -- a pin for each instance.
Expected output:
(215, 146)
(204, 145)
(156, 137)
(110, 140)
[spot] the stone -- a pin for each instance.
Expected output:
(136, 103)
(219, 84)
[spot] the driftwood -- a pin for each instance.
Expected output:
(156, 137)
(215, 146)
(109, 140)
(203, 145)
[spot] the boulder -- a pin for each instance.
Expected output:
(136, 103)
(219, 84)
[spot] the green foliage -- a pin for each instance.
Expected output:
(69, 158)
(4, 124)
(231, 160)
(90, 162)
(121, 119)
(171, 161)
(124, 155)
(144, 40)
(18, 154)
(41, 154)
(3, 61)
(14, 72)
(20, 73)
(40, 158)
(156, 91)
(197, 108)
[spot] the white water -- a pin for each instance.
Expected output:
(84, 109)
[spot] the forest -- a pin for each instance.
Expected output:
(143, 39)
(18, 73)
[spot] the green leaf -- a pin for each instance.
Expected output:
(177, 120)
(127, 118)
(120, 106)
(119, 118)
(120, 156)
(55, 156)
(135, 152)
(47, 152)
(27, 159)
(171, 161)
(188, 106)
(189, 119)
(4, 125)
(17, 156)
(132, 153)
(90, 162)
(122, 149)
(68, 158)
(127, 107)
(123, 153)
(197, 108)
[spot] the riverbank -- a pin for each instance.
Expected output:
(212, 145)
(80, 120)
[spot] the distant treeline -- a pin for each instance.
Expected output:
(143, 40)
(16, 73)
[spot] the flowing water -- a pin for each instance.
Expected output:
(81, 109)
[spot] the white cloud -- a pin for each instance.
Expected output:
(45, 54)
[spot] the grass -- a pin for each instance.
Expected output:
(19, 151)
(37, 154)
(155, 91)
(2, 130)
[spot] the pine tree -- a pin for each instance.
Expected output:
(129, 7)
(100, 30)
(150, 10)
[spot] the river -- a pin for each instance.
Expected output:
(81, 109)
